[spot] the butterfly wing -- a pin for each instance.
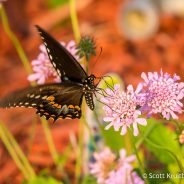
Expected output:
(51, 100)
(64, 63)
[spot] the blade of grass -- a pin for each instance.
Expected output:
(14, 40)
(13, 153)
(75, 26)
(19, 152)
(50, 141)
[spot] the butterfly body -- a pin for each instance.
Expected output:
(57, 100)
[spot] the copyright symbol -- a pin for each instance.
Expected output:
(144, 175)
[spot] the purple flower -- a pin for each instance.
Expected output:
(121, 108)
(109, 169)
(42, 67)
(163, 94)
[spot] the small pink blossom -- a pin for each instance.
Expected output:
(43, 68)
(164, 94)
(102, 165)
(109, 169)
(121, 108)
(124, 176)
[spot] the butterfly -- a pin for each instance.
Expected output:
(57, 100)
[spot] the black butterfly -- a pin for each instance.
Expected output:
(61, 100)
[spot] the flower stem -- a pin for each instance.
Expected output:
(82, 141)
(146, 134)
(138, 159)
(75, 26)
(16, 153)
(50, 141)
(14, 40)
(74, 20)
(127, 140)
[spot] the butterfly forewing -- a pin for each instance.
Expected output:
(64, 63)
(51, 100)
(61, 100)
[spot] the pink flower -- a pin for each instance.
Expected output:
(42, 67)
(102, 165)
(108, 169)
(124, 176)
(163, 94)
(121, 108)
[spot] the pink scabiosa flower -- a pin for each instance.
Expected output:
(102, 165)
(42, 67)
(163, 94)
(121, 108)
(124, 176)
(109, 169)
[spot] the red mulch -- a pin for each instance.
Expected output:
(127, 58)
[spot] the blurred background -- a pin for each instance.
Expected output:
(135, 36)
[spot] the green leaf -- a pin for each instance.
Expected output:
(44, 180)
(89, 180)
(111, 79)
(113, 139)
(163, 137)
(56, 3)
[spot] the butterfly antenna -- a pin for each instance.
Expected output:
(97, 59)
(107, 106)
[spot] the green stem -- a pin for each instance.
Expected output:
(76, 32)
(17, 157)
(32, 134)
(15, 41)
(79, 153)
(127, 140)
(19, 152)
(138, 159)
(146, 134)
(50, 141)
(75, 27)
(166, 149)
(90, 132)
(74, 20)
(177, 124)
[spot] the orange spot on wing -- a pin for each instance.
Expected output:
(59, 106)
(55, 105)
(70, 106)
(77, 107)
(51, 98)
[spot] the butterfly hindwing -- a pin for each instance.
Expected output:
(64, 63)
(51, 100)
